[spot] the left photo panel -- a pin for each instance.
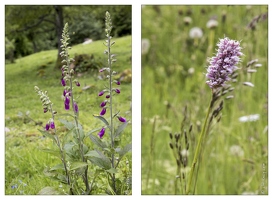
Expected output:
(68, 93)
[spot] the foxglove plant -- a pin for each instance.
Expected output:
(107, 107)
(75, 154)
(48, 106)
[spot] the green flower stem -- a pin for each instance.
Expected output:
(62, 153)
(197, 151)
(111, 110)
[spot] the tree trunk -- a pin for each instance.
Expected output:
(59, 29)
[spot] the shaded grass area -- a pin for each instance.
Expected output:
(24, 160)
(173, 76)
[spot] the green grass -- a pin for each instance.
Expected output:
(24, 160)
(166, 79)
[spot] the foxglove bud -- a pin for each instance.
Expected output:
(103, 111)
(103, 104)
(52, 125)
(121, 119)
(101, 93)
(101, 133)
(117, 91)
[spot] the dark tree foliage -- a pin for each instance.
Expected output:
(35, 28)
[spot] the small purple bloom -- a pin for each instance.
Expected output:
(103, 111)
(101, 70)
(103, 104)
(121, 119)
(47, 127)
(101, 133)
(101, 93)
(66, 106)
(63, 82)
(117, 91)
(66, 103)
(107, 96)
(67, 100)
(118, 82)
(52, 125)
(224, 63)
(76, 108)
(45, 110)
(64, 93)
(78, 84)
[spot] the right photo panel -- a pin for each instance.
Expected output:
(204, 121)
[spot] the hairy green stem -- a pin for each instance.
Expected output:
(62, 153)
(85, 176)
(199, 144)
(111, 109)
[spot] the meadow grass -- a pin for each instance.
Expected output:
(168, 85)
(24, 159)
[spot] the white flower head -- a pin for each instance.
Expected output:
(249, 118)
(196, 32)
(212, 23)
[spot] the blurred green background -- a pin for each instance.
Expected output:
(173, 76)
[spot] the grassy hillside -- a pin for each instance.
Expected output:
(173, 76)
(24, 160)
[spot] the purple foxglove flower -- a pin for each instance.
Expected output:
(45, 110)
(78, 84)
(107, 96)
(117, 91)
(64, 93)
(118, 82)
(52, 125)
(101, 133)
(103, 111)
(66, 103)
(103, 104)
(121, 119)
(66, 106)
(224, 63)
(67, 100)
(63, 82)
(76, 108)
(101, 93)
(101, 70)
(47, 127)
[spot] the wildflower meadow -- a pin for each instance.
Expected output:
(204, 99)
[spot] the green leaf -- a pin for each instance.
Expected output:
(48, 191)
(97, 141)
(103, 120)
(77, 165)
(48, 135)
(101, 161)
(56, 167)
(112, 170)
(125, 150)
(92, 153)
(120, 129)
(65, 137)
(67, 124)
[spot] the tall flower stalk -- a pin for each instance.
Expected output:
(220, 71)
(110, 92)
(67, 81)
